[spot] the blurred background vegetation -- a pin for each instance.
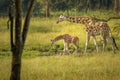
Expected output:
(52, 7)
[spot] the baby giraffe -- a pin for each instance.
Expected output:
(67, 40)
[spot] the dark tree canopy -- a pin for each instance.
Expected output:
(62, 5)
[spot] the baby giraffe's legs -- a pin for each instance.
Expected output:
(65, 51)
(75, 46)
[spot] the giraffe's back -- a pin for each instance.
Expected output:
(70, 39)
(98, 28)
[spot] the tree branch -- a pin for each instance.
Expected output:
(106, 20)
(27, 20)
(11, 20)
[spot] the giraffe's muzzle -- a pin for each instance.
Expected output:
(57, 22)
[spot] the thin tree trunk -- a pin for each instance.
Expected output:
(100, 4)
(116, 7)
(78, 5)
(107, 3)
(88, 5)
(11, 20)
(27, 20)
(47, 12)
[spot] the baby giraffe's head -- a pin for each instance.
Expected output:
(52, 42)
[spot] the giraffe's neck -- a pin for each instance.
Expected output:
(83, 20)
(58, 38)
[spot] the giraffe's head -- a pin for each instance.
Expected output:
(61, 18)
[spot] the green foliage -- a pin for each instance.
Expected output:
(61, 5)
(3, 7)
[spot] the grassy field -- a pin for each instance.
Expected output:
(68, 67)
(40, 62)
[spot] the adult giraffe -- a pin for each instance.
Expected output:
(93, 28)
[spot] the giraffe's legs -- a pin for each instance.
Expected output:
(76, 47)
(87, 41)
(66, 48)
(104, 43)
(95, 42)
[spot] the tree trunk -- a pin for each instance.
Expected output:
(88, 5)
(16, 65)
(27, 20)
(107, 4)
(100, 4)
(78, 5)
(47, 11)
(20, 36)
(116, 7)
(16, 55)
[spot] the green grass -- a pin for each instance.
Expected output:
(73, 67)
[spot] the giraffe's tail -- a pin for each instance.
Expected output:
(114, 43)
(113, 39)
(110, 34)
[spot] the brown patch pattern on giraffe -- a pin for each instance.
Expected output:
(67, 40)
